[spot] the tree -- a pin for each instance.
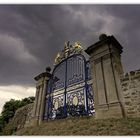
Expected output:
(1, 123)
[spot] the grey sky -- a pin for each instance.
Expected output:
(31, 35)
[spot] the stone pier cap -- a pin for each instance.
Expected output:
(44, 74)
(104, 39)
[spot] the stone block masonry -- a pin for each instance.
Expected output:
(21, 119)
(106, 69)
(131, 92)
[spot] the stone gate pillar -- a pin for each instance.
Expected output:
(41, 88)
(106, 68)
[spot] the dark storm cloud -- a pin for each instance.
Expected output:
(31, 35)
(130, 33)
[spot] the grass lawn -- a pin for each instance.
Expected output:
(85, 126)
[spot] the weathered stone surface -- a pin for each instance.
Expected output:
(38, 109)
(105, 60)
(21, 119)
(23, 116)
(131, 91)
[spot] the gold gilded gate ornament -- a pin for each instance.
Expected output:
(68, 51)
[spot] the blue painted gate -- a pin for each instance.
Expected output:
(70, 89)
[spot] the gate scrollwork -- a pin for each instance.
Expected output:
(71, 85)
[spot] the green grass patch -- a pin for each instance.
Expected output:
(85, 126)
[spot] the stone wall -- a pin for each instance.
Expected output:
(23, 116)
(131, 92)
(20, 120)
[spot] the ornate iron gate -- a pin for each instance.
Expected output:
(69, 90)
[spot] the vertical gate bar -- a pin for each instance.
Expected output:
(65, 108)
(48, 101)
(86, 85)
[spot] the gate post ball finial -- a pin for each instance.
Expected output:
(102, 37)
(48, 69)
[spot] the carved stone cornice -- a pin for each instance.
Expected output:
(44, 74)
(107, 40)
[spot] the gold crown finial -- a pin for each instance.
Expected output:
(66, 47)
(77, 45)
(67, 43)
(57, 59)
(68, 51)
